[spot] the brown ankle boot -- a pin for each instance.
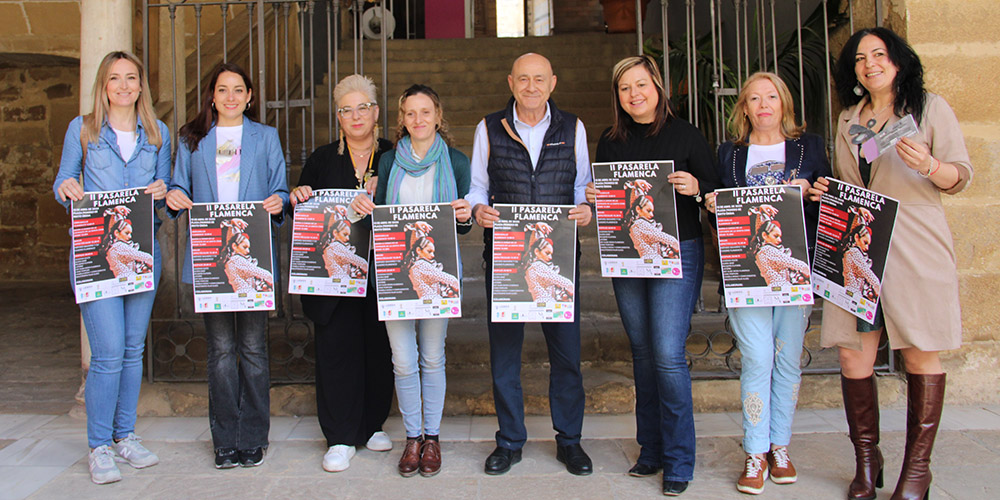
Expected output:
(924, 400)
(861, 406)
(409, 463)
(430, 458)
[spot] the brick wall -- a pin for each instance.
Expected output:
(575, 16)
(38, 98)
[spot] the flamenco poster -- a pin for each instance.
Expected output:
(852, 242)
(534, 264)
(112, 244)
(231, 257)
(329, 254)
(637, 220)
(416, 262)
(762, 246)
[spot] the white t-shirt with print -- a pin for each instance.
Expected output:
(228, 142)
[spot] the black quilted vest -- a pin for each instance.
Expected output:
(512, 180)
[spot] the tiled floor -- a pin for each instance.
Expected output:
(42, 455)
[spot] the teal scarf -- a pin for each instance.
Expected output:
(445, 187)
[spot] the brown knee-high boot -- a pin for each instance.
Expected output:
(924, 400)
(861, 406)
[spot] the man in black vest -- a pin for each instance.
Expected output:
(533, 153)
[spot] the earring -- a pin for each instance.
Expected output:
(213, 104)
(858, 91)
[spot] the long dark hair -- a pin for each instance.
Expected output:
(115, 220)
(233, 231)
(334, 220)
(758, 238)
(908, 84)
(619, 131)
(195, 130)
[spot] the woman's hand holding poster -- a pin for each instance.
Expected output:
(329, 253)
(112, 244)
(231, 257)
(852, 243)
(637, 220)
(762, 246)
(416, 262)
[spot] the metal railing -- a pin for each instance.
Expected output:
(279, 41)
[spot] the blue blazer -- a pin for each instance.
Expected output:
(805, 155)
(262, 173)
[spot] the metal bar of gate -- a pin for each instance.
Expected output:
(225, 43)
(802, 83)
(385, 76)
(829, 96)
(664, 4)
(638, 27)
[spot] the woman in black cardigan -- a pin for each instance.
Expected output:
(354, 379)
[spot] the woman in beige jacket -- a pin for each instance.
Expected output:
(879, 81)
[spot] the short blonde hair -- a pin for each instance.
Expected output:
(357, 83)
(739, 120)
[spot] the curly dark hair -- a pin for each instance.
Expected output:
(908, 84)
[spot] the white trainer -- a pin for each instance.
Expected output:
(129, 450)
(338, 458)
(102, 465)
(379, 442)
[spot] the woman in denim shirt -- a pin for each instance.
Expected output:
(119, 145)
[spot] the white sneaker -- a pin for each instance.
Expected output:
(338, 458)
(379, 442)
(102, 465)
(132, 452)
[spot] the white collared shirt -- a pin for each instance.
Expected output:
(533, 137)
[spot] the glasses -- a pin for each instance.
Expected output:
(363, 109)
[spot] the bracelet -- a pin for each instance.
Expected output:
(932, 170)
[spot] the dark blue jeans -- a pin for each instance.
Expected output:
(239, 379)
(656, 313)
(566, 396)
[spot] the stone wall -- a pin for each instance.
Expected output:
(578, 16)
(957, 44)
(40, 26)
(38, 97)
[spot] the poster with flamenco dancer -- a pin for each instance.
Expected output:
(231, 257)
(534, 264)
(762, 246)
(329, 254)
(637, 220)
(416, 262)
(112, 244)
(852, 243)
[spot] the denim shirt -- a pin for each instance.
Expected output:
(106, 170)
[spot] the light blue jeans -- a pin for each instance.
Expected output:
(116, 330)
(418, 367)
(770, 341)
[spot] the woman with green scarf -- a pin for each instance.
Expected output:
(422, 169)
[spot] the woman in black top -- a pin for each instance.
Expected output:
(656, 312)
(354, 379)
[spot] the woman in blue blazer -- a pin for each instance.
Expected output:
(769, 149)
(226, 156)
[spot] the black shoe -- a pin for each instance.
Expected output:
(643, 470)
(576, 460)
(501, 459)
(226, 458)
(252, 457)
(674, 488)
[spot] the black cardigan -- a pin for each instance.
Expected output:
(679, 141)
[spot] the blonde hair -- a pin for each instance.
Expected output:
(739, 120)
(93, 122)
(364, 85)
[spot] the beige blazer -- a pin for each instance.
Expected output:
(920, 285)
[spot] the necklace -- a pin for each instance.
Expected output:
(861, 134)
(872, 121)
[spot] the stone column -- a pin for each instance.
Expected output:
(105, 25)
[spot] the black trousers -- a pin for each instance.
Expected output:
(354, 381)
